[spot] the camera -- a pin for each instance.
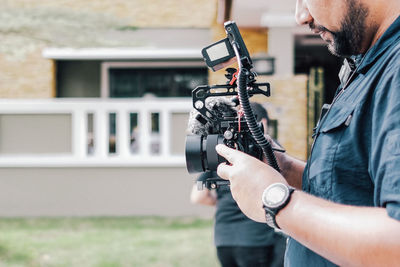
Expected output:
(228, 128)
(222, 113)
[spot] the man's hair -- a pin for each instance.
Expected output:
(259, 111)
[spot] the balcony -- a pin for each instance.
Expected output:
(93, 132)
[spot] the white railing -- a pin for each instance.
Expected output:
(101, 108)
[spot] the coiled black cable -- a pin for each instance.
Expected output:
(256, 132)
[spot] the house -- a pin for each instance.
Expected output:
(95, 98)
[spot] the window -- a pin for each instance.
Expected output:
(158, 82)
(133, 127)
(160, 79)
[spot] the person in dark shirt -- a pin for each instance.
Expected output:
(343, 206)
(239, 240)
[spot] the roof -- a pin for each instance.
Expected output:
(121, 53)
(23, 30)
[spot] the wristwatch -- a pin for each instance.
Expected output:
(274, 198)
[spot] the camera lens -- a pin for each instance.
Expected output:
(213, 159)
(200, 152)
(194, 153)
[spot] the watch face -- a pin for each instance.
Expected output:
(275, 195)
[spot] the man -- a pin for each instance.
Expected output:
(348, 211)
(239, 241)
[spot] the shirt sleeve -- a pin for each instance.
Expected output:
(385, 143)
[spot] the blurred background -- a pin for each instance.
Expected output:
(94, 104)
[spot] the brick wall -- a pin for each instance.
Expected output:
(30, 76)
(139, 13)
(24, 73)
(256, 41)
(287, 104)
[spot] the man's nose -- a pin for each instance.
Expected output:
(303, 16)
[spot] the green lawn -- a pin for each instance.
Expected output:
(107, 242)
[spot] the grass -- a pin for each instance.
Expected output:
(107, 242)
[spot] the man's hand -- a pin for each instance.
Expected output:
(248, 177)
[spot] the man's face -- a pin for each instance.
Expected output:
(341, 24)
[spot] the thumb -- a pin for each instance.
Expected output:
(231, 155)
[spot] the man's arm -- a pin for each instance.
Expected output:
(291, 168)
(346, 235)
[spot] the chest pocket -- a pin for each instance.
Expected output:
(326, 147)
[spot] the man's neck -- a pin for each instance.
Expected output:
(387, 14)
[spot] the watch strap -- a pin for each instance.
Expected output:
(271, 222)
(270, 214)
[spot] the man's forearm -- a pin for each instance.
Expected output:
(346, 235)
(291, 168)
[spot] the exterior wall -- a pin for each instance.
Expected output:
(89, 185)
(35, 134)
(30, 76)
(179, 126)
(256, 42)
(281, 46)
(24, 73)
(287, 104)
(55, 132)
(97, 192)
(122, 189)
(139, 13)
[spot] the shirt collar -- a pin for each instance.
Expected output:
(389, 37)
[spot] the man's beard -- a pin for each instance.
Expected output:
(348, 40)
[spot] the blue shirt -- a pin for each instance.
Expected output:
(355, 158)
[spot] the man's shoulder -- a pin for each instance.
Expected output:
(388, 67)
(394, 55)
(392, 69)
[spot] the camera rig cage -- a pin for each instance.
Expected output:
(241, 83)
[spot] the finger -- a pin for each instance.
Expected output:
(229, 154)
(223, 171)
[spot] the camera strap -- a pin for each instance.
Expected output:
(240, 116)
